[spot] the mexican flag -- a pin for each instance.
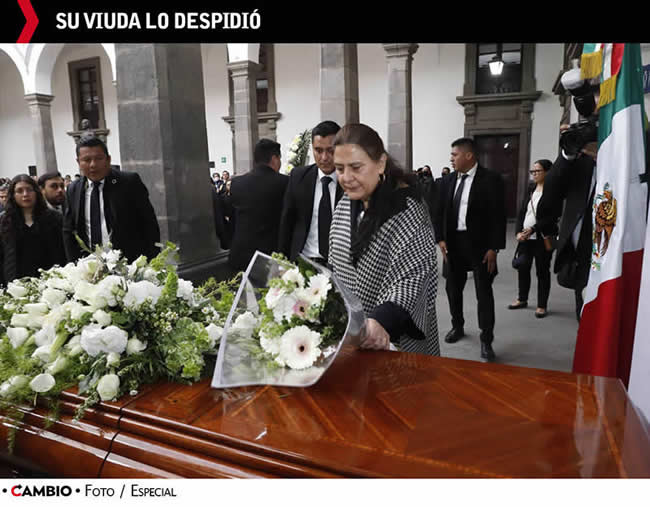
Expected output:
(607, 326)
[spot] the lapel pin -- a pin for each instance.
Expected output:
(114, 182)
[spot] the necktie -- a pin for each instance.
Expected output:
(324, 218)
(95, 217)
(457, 198)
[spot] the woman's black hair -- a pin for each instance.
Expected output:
(545, 163)
(13, 215)
(389, 197)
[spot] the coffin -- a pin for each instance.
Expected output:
(373, 414)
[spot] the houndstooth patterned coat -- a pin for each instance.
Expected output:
(399, 265)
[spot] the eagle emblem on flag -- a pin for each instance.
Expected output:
(604, 220)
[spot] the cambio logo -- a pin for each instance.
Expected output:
(20, 490)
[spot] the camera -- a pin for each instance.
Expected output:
(584, 131)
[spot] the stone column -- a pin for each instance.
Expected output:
(39, 108)
(245, 113)
(400, 121)
(339, 83)
(163, 137)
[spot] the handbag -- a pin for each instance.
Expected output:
(520, 258)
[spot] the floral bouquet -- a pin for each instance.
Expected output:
(298, 151)
(286, 326)
(106, 327)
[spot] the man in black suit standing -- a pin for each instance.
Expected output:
(106, 205)
(470, 228)
(310, 199)
(257, 201)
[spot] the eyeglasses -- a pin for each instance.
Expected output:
(535, 171)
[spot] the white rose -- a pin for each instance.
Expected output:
(108, 386)
(58, 365)
(244, 325)
(90, 339)
(77, 310)
(139, 292)
(150, 275)
(89, 266)
(85, 291)
(111, 257)
(115, 339)
(133, 346)
(53, 297)
(16, 290)
(12, 384)
(294, 276)
(107, 291)
(112, 359)
(185, 290)
(20, 320)
(95, 340)
(42, 383)
(36, 309)
(42, 353)
(60, 284)
(214, 333)
(17, 336)
(102, 318)
(72, 274)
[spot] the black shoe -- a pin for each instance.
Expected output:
(487, 352)
(542, 314)
(517, 305)
(454, 335)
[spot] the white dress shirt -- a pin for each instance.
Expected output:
(531, 211)
(464, 198)
(89, 191)
(311, 248)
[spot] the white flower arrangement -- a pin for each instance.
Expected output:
(297, 151)
(107, 326)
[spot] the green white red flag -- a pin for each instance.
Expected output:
(607, 326)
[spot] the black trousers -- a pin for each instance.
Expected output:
(534, 249)
(460, 261)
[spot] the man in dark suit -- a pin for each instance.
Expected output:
(571, 181)
(106, 205)
(310, 199)
(257, 201)
(470, 228)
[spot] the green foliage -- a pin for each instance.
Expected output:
(183, 349)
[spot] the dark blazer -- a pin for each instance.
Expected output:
(257, 200)
(49, 230)
(569, 182)
(297, 209)
(486, 211)
(130, 217)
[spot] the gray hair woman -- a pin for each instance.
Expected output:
(382, 245)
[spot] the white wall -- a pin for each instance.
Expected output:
(297, 90)
(16, 142)
(548, 112)
(438, 119)
(215, 80)
(373, 88)
(62, 118)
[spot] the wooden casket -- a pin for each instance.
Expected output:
(373, 414)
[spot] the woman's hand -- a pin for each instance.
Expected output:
(375, 336)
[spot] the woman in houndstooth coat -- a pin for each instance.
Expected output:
(382, 245)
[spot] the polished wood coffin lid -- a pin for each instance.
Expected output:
(374, 414)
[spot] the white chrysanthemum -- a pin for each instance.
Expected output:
(214, 334)
(294, 276)
(244, 325)
(42, 353)
(42, 383)
(299, 347)
(95, 340)
(111, 257)
(59, 364)
(139, 292)
(185, 290)
(319, 286)
(12, 384)
(102, 318)
(17, 336)
(108, 386)
(133, 346)
(36, 309)
(284, 308)
(273, 296)
(16, 290)
(54, 297)
(270, 344)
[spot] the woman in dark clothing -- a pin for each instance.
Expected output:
(31, 235)
(531, 244)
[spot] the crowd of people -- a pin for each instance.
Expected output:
(377, 226)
